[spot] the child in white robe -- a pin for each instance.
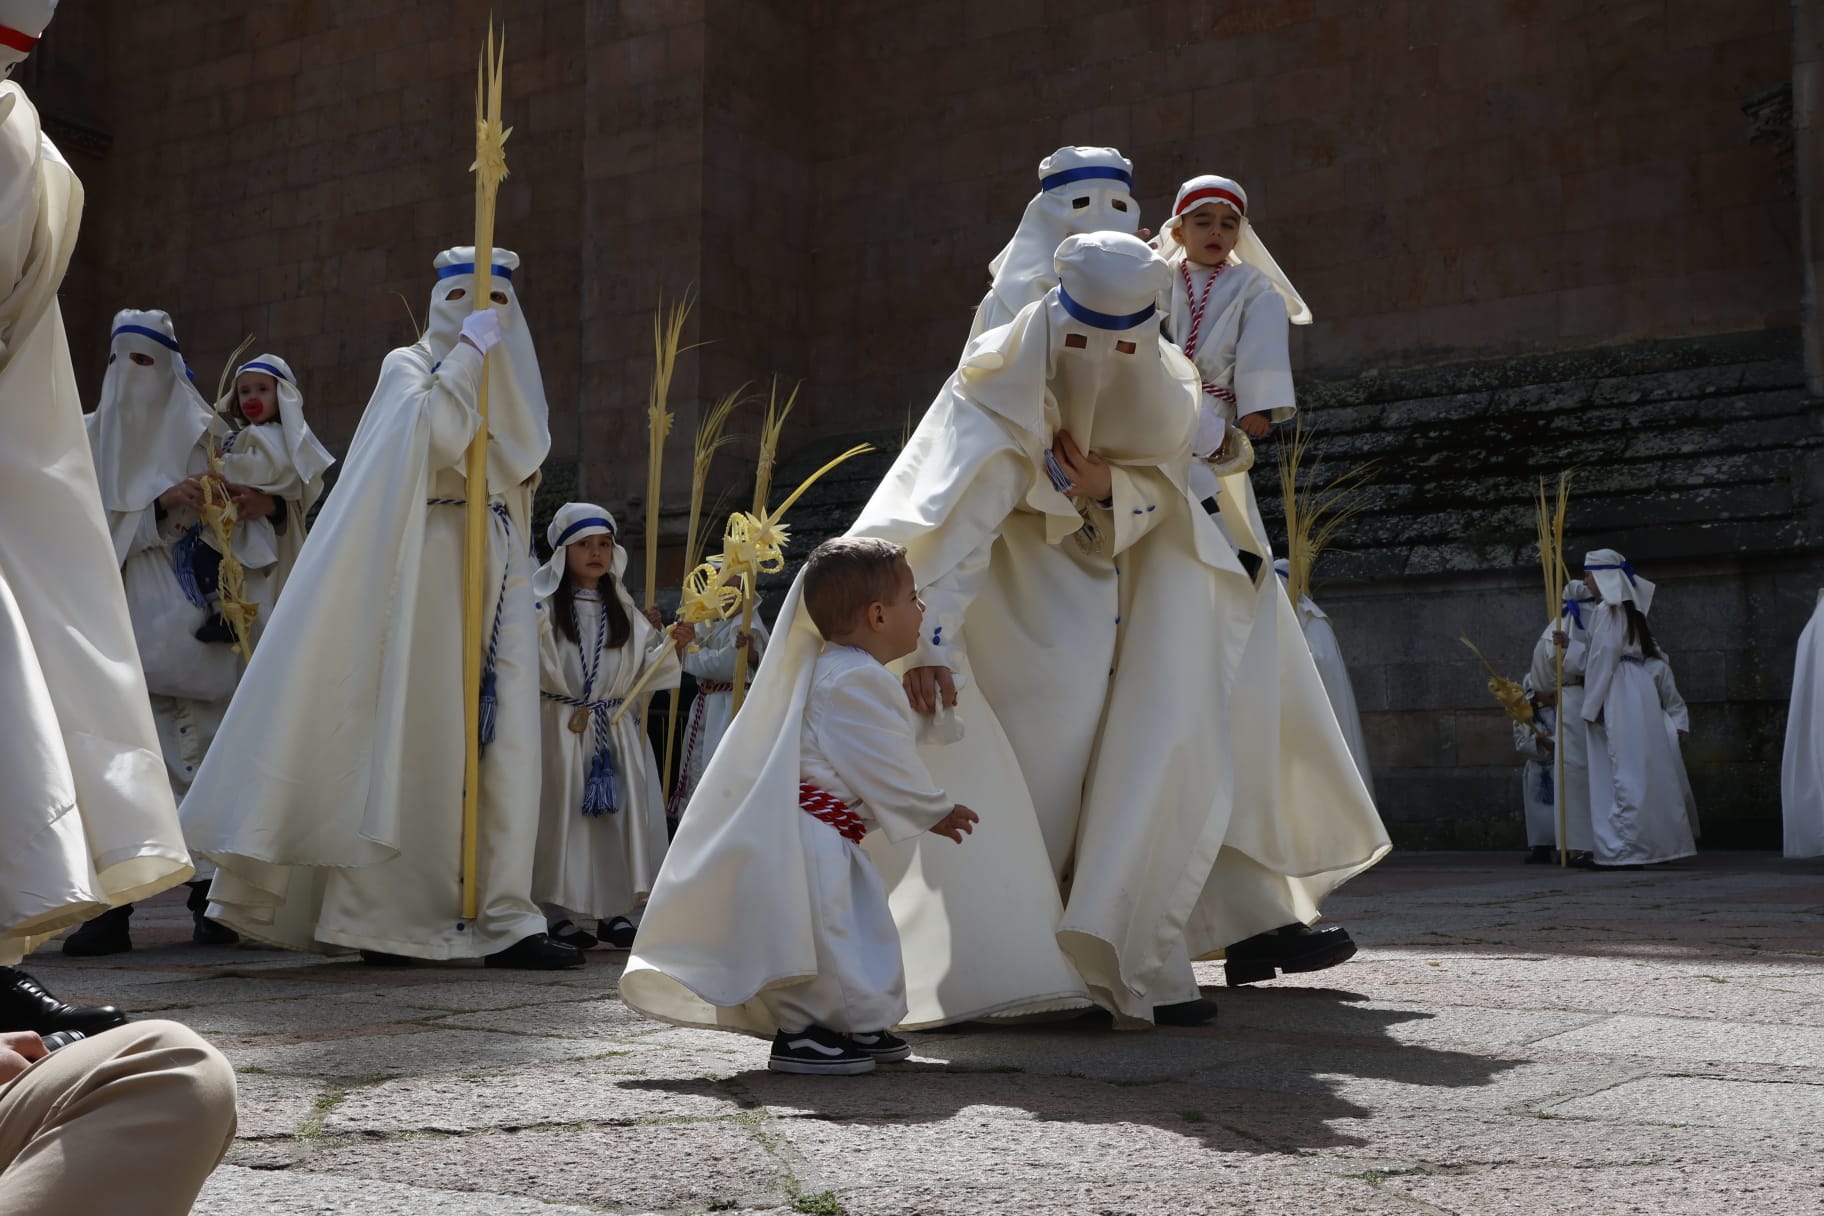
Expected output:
(712, 662)
(1229, 308)
(859, 770)
(1571, 737)
(1640, 811)
(1802, 763)
(1538, 795)
(601, 833)
(272, 450)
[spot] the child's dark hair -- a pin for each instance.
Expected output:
(1640, 632)
(843, 576)
(563, 611)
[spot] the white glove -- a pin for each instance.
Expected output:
(482, 330)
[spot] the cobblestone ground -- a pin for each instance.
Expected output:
(1511, 1039)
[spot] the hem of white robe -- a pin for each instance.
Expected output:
(1627, 860)
(532, 926)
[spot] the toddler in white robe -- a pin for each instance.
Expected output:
(835, 981)
(1229, 308)
(272, 450)
(1538, 794)
(712, 662)
(1640, 806)
(601, 831)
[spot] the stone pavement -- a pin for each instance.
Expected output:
(1511, 1039)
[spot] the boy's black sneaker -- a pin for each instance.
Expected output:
(884, 1047)
(816, 1051)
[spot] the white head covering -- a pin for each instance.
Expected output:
(150, 418)
(1249, 249)
(573, 521)
(22, 23)
(306, 453)
(519, 425)
(1616, 580)
(1080, 190)
(1127, 405)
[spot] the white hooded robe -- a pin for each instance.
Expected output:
(1802, 763)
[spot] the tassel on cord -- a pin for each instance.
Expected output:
(598, 794)
(183, 562)
(490, 705)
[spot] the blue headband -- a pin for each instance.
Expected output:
(169, 343)
(257, 366)
(451, 271)
(1626, 568)
(594, 521)
(1103, 320)
(1087, 173)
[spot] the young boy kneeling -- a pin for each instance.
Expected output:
(858, 770)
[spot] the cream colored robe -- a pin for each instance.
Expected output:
(1573, 735)
(712, 660)
(599, 866)
(86, 814)
(333, 799)
(1639, 813)
(1802, 762)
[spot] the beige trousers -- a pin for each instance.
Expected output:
(129, 1121)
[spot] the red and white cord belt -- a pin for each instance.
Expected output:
(832, 810)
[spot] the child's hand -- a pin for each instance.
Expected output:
(1254, 424)
(744, 641)
(683, 634)
(1559, 639)
(252, 504)
(924, 684)
(186, 493)
(957, 824)
(652, 615)
(1089, 475)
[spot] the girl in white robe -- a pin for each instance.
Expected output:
(272, 450)
(1638, 808)
(1802, 763)
(601, 834)
(712, 661)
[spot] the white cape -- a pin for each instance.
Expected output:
(1802, 764)
(1639, 814)
(86, 814)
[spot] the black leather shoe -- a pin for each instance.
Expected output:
(1200, 1012)
(1540, 855)
(617, 934)
(1583, 861)
(106, 934)
(565, 931)
(207, 932)
(25, 1005)
(1289, 948)
(536, 953)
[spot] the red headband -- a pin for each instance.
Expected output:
(1204, 195)
(18, 40)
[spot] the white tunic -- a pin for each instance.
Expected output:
(1571, 761)
(1331, 669)
(1638, 796)
(256, 456)
(834, 955)
(1802, 763)
(1538, 797)
(333, 799)
(598, 865)
(86, 814)
(713, 664)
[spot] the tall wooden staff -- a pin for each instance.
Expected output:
(490, 169)
(1550, 526)
(763, 488)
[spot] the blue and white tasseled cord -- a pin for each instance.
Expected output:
(490, 702)
(598, 791)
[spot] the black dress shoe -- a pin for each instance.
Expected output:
(1289, 948)
(207, 932)
(1540, 855)
(25, 1005)
(1583, 861)
(106, 934)
(380, 958)
(617, 933)
(536, 953)
(565, 931)
(1200, 1012)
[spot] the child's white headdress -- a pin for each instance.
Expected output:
(1249, 249)
(306, 453)
(573, 521)
(150, 416)
(1616, 580)
(22, 22)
